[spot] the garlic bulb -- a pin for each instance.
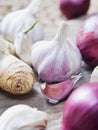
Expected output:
(94, 75)
(23, 117)
(56, 60)
(16, 23)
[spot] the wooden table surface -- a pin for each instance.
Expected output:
(35, 98)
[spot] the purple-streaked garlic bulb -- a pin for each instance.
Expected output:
(56, 60)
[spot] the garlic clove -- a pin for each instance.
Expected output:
(23, 117)
(24, 40)
(58, 91)
(94, 75)
(53, 60)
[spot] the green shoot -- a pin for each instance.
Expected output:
(30, 28)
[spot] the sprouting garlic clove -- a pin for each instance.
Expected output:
(23, 42)
(94, 75)
(58, 91)
(56, 60)
(22, 117)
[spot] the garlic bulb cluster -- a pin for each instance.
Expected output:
(16, 23)
(56, 60)
(94, 75)
(23, 117)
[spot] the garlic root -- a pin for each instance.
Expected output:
(23, 117)
(16, 77)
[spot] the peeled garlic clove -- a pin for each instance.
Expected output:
(22, 18)
(94, 75)
(56, 60)
(22, 117)
(58, 91)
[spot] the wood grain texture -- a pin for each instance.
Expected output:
(50, 16)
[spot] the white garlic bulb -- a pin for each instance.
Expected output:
(16, 23)
(23, 117)
(94, 75)
(56, 60)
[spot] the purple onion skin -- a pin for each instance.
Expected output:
(74, 8)
(87, 41)
(81, 109)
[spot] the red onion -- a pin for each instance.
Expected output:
(87, 41)
(74, 8)
(81, 109)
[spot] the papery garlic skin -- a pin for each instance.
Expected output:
(23, 117)
(94, 75)
(14, 25)
(56, 60)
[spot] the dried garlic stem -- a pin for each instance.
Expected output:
(15, 76)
